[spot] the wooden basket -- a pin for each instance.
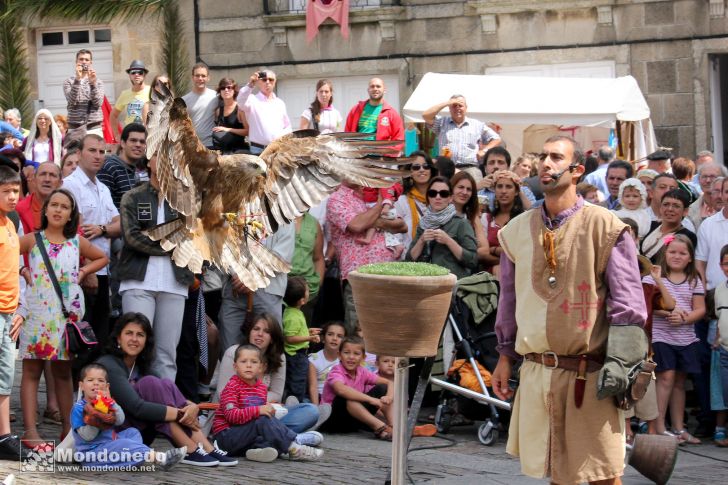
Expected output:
(402, 316)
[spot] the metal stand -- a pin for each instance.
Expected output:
(400, 442)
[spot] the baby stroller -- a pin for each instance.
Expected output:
(475, 298)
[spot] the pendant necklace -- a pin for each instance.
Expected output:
(549, 251)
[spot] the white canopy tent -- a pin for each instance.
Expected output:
(584, 107)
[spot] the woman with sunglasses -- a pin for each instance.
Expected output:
(230, 131)
(412, 203)
(442, 237)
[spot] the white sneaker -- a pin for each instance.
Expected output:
(170, 458)
(310, 438)
(291, 401)
(298, 452)
(262, 455)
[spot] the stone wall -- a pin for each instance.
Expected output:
(663, 44)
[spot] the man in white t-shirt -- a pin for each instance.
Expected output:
(201, 103)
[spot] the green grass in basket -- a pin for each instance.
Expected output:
(399, 268)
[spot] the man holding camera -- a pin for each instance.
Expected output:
(265, 112)
(84, 96)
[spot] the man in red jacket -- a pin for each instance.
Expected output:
(375, 115)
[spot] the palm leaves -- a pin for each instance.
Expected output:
(95, 11)
(14, 82)
(174, 53)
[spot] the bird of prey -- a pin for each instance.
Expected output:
(227, 203)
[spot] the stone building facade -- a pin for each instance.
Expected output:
(675, 49)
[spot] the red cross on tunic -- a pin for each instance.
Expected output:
(584, 305)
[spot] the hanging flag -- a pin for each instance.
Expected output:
(319, 10)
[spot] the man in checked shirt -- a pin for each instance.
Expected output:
(467, 139)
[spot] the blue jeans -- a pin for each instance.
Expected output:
(301, 417)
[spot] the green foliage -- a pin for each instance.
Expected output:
(94, 11)
(175, 59)
(400, 268)
(14, 82)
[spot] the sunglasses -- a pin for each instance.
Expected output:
(434, 193)
(136, 71)
(416, 166)
(227, 88)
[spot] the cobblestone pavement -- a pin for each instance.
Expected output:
(358, 458)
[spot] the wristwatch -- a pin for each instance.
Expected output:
(103, 230)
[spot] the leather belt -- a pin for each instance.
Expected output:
(581, 364)
(89, 126)
(257, 145)
(567, 362)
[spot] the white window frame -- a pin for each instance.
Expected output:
(65, 31)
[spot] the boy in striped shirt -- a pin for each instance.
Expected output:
(245, 422)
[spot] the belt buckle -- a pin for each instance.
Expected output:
(550, 353)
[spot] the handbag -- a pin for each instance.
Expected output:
(79, 334)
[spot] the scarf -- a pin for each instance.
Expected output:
(434, 220)
(413, 197)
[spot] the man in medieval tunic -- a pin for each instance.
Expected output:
(571, 307)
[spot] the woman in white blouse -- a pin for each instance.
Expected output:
(322, 115)
(44, 143)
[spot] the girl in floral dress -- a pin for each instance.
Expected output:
(42, 336)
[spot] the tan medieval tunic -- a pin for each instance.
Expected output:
(548, 432)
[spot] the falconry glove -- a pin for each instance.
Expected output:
(626, 347)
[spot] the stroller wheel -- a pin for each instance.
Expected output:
(487, 433)
(443, 416)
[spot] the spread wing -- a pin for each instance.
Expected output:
(202, 186)
(303, 169)
(183, 164)
(213, 192)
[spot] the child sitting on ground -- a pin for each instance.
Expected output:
(393, 242)
(93, 429)
(633, 197)
(385, 367)
(321, 363)
(245, 422)
(370, 360)
(297, 337)
(358, 397)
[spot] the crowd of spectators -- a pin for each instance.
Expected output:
(163, 331)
